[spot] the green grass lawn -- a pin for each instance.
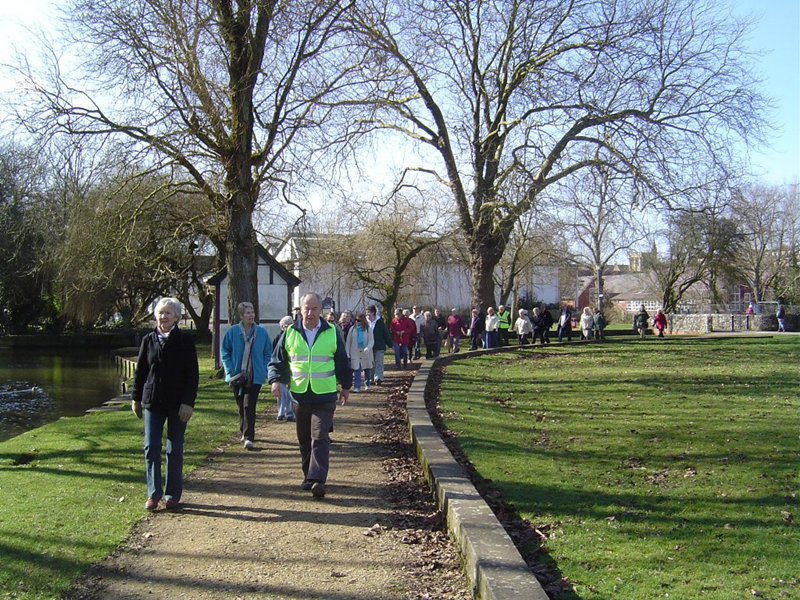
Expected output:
(71, 490)
(662, 468)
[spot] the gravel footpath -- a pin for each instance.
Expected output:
(248, 531)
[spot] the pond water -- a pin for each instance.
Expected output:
(37, 386)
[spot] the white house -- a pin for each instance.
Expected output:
(440, 279)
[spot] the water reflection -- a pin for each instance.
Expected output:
(37, 387)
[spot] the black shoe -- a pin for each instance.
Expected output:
(318, 489)
(307, 485)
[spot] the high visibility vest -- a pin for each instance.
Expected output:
(504, 319)
(315, 364)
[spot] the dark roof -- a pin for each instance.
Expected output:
(286, 275)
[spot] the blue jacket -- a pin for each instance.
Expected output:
(233, 351)
(279, 367)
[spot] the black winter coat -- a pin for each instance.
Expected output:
(166, 377)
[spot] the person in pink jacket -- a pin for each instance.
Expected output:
(660, 322)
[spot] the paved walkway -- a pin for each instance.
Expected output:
(248, 531)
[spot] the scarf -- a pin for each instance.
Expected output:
(247, 366)
(360, 336)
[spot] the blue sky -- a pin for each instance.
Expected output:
(777, 33)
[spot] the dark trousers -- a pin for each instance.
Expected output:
(246, 399)
(503, 336)
(314, 422)
(475, 340)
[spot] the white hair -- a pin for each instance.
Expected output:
(173, 303)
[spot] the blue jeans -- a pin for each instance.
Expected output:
(378, 355)
(454, 339)
(153, 431)
(490, 339)
(400, 353)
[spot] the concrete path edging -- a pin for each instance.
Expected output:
(492, 563)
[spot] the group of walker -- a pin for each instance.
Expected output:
(312, 365)
(308, 370)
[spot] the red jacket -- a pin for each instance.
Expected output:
(404, 330)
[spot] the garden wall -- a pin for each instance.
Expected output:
(707, 323)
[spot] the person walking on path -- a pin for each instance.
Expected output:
(245, 352)
(660, 322)
(381, 339)
(441, 323)
(455, 329)
(565, 324)
(781, 316)
(285, 410)
(523, 327)
(359, 349)
(599, 324)
(491, 335)
(164, 391)
(477, 327)
(431, 336)
(503, 324)
(419, 321)
(587, 323)
(311, 359)
(537, 325)
(403, 330)
(547, 322)
(640, 321)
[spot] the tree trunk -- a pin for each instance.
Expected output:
(484, 258)
(240, 259)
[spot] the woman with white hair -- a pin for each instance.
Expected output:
(523, 327)
(587, 323)
(246, 351)
(164, 391)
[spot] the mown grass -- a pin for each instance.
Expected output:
(663, 468)
(71, 490)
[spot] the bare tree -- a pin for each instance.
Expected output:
(698, 245)
(216, 93)
(534, 241)
(379, 246)
(490, 88)
(600, 210)
(769, 220)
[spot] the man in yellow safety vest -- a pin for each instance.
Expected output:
(503, 324)
(310, 358)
